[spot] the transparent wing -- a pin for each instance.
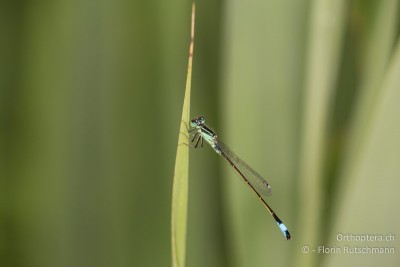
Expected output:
(253, 177)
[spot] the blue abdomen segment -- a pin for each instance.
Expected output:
(284, 230)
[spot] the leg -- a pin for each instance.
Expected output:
(187, 128)
(185, 144)
(187, 136)
(198, 141)
(195, 136)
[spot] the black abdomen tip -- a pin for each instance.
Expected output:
(287, 235)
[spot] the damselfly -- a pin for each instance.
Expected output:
(258, 184)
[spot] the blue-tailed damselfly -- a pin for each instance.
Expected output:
(258, 184)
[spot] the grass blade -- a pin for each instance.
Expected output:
(370, 200)
(326, 34)
(379, 50)
(181, 173)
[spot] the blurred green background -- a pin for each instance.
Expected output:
(91, 94)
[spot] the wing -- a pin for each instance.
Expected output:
(250, 176)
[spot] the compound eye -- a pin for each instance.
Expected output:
(201, 120)
(193, 123)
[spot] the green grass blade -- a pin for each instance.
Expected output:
(379, 49)
(369, 202)
(326, 33)
(181, 173)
